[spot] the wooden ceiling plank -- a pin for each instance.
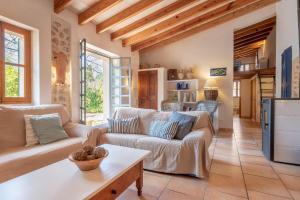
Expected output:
(60, 5)
(235, 14)
(95, 10)
(251, 38)
(245, 51)
(255, 45)
(227, 8)
(171, 21)
(271, 21)
(253, 31)
(151, 18)
(125, 14)
(252, 41)
(267, 31)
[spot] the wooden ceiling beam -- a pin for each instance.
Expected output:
(95, 10)
(251, 38)
(230, 16)
(254, 31)
(151, 18)
(253, 46)
(245, 54)
(125, 14)
(268, 22)
(267, 32)
(220, 11)
(171, 22)
(246, 51)
(60, 5)
(245, 43)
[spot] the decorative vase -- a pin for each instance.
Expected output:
(189, 75)
(180, 75)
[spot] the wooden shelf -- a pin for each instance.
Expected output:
(187, 90)
(182, 80)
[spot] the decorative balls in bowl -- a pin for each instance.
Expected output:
(89, 157)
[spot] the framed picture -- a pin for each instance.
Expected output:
(218, 71)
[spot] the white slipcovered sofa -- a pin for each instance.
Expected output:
(16, 159)
(188, 156)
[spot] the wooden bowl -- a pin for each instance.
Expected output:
(87, 165)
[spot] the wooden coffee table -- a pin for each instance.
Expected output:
(63, 180)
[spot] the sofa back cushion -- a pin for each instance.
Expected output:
(12, 123)
(202, 118)
(145, 117)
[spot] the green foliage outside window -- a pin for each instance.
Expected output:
(94, 90)
(11, 81)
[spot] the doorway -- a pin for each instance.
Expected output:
(95, 64)
(105, 83)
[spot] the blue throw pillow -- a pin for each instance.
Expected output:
(163, 129)
(185, 124)
(48, 128)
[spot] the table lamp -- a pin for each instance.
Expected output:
(211, 89)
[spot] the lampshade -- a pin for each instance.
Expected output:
(211, 84)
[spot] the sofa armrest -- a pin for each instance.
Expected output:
(198, 136)
(89, 133)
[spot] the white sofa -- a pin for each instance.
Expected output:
(16, 159)
(188, 156)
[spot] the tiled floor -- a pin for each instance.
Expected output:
(238, 172)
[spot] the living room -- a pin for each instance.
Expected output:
(134, 99)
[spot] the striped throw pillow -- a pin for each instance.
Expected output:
(164, 129)
(130, 125)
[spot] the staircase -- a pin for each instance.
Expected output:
(267, 86)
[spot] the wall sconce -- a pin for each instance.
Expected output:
(211, 89)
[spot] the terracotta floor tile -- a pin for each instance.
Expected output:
(212, 194)
(188, 185)
(286, 169)
(259, 170)
(266, 185)
(226, 184)
(295, 194)
(231, 160)
(251, 152)
(226, 169)
(153, 184)
(291, 182)
(262, 196)
(256, 160)
(132, 195)
(172, 195)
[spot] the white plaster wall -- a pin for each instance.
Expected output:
(287, 34)
(207, 49)
(37, 14)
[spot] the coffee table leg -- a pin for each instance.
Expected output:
(139, 181)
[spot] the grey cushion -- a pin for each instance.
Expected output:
(48, 128)
(163, 129)
(185, 124)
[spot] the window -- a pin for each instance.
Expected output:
(15, 67)
(236, 89)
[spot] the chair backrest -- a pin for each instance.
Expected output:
(171, 106)
(208, 106)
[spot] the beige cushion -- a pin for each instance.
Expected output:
(21, 160)
(145, 116)
(127, 140)
(12, 123)
(31, 137)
